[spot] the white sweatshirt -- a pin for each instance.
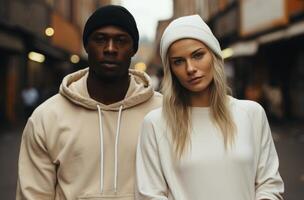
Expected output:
(247, 171)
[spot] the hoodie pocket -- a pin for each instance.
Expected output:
(106, 197)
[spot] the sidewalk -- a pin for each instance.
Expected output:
(289, 141)
(288, 130)
(288, 137)
(9, 151)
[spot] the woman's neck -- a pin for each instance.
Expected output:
(201, 99)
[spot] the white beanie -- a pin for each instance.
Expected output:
(191, 26)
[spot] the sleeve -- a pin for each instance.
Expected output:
(269, 184)
(151, 183)
(36, 172)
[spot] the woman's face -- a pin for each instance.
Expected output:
(191, 62)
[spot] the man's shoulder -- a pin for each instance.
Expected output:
(157, 97)
(155, 101)
(53, 104)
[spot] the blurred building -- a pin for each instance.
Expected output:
(262, 43)
(180, 8)
(40, 42)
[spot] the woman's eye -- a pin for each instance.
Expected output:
(177, 62)
(198, 55)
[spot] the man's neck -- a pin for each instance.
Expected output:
(107, 92)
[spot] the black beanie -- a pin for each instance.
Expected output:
(112, 15)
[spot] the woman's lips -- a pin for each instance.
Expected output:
(195, 80)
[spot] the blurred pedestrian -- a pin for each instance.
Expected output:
(81, 143)
(30, 99)
(274, 99)
(203, 143)
(157, 79)
(253, 92)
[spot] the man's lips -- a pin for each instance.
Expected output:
(110, 64)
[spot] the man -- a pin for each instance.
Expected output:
(81, 143)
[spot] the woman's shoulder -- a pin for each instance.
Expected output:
(242, 105)
(154, 115)
(154, 122)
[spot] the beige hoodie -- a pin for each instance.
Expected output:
(76, 148)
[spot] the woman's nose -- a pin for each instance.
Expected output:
(190, 68)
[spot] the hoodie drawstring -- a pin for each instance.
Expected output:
(101, 147)
(116, 148)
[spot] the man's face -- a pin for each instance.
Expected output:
(110, 50)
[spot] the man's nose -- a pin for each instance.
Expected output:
(110, 47)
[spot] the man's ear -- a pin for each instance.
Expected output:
(133, 51)
(86, 47)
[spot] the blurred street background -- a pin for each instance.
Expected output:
(262, 42)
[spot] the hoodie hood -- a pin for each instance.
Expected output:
(74, 88)
(93, 144)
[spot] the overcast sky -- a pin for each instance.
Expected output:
(147, 13)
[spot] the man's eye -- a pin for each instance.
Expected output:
(100, 39)
(120, 40)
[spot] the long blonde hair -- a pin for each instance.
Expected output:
(176, 106)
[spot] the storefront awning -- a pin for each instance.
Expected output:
(11, 42)
(48, 49)
(249, 48)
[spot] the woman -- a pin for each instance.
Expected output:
(203, 144)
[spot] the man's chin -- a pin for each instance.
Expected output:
(110, 79)
(110, 76)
